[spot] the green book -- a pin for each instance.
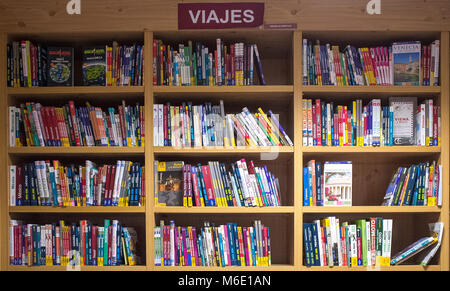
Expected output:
(361, 224)
(105, 243)
(379, 240)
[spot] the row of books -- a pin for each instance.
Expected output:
(402, 63)
(419, 184)
(64, 244)
(116, 65)
(31, 65)
(196, 64)
(223, 245)
(365, 242)
(50, 183)
(401, 122)
(327, 186)
(32, 124)
(181, 184)
(191, 125)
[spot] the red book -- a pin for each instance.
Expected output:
(345, 128)
(74, 123)
(373, 240)
(107, 184)
(111, 185)
(45, 112)
(344, 246)
(266, 244)
(209, 186)
(123, 125)
(195, 187)
(44, 127)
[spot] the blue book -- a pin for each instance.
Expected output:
(305, 187)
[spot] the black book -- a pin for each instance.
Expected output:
(94, 66)
(60, 66)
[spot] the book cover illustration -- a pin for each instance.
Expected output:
(338, 183)
(94, 66)
(403, 127)
(60, 66)
(170, 183)
(406, 61)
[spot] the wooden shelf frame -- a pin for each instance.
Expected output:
(292, 93)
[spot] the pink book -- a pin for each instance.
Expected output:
(246, 252)
(194, 240)
(386, 65)
(314, 130)
(227, 244)
(183, 235)
(318, 123)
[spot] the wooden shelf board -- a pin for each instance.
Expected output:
(222, 150)
(371, 89)
(383, 268)
(208, 210)
(76, 150)
(277, 267)
(371, 209)
(74, 209)
(82, 268)
(75, 90)
(369, 149)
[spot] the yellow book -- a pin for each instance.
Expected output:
(27, 45)
(269, 130)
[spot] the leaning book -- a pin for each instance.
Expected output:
(406, 62)
(338, 183)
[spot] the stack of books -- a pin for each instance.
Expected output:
(182, 184)
(82, 244)
(223, 245)
(402, 63)
(32, 124)
(195, 64)
(191, 125)
(49, 183)
(419, 184)
(366, 242)
(400, 122)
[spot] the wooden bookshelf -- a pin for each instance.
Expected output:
(373, 166)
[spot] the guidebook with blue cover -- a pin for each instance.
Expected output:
(406, 62)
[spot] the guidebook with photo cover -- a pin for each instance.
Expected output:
(337, 183)
(406, 62)
(94, 66)
(170, 183)
(60, 66)
(404, 109)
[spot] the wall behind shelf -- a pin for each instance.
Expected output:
(117, 15)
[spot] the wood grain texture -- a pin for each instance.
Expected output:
(137, 15)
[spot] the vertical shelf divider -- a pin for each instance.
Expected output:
(148, 97)
(298, 156)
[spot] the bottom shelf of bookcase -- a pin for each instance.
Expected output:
(82, 268)
(384, 268)
(277, 267)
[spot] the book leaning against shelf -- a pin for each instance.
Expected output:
(223, 245)
(32, 124)
(191, 125)
(51, 183)
(72, 244)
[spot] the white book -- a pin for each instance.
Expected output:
(38, 124)
(436, 63)
(422, 124)
(368, 248)
(251, 190)
(334, 240)
(160, 125)
(430, 122)
(40, 187)
(353, 245)
(255, 127)
(439, 194)
(251, 134)
(339, 242)
(331, 64)
(172, 243)
(376, 122)
(387, 242)
(243, 182)
(114, 242)
(45, 182)
(117, 176)
(12, 185)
